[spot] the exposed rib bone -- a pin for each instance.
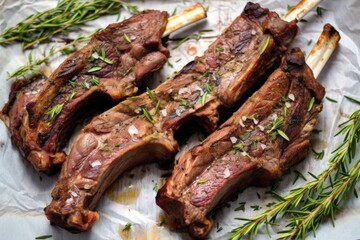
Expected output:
(189, 15)
(323, 49)
(300, 10)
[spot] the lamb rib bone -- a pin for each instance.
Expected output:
(140, 129)
(128, 57)
(247, 149)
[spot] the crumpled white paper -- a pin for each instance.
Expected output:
(24, 192)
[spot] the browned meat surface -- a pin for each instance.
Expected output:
(108, 69)
(140, 129)
(249, 149)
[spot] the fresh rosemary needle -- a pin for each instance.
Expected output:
(65, 17)
(310, 203)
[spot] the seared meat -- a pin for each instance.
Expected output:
(108, 69)
(267, 135)
(140, 129)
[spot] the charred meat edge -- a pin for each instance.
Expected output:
(116, 140)
(246, 150)
(108, 69)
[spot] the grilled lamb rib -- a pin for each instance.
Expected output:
(249, 149)
(108, 69)
(140, 129)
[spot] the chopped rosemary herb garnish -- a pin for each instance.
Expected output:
(126, 38)
(289, 7)
(71, 95)
(309, 42)
(283, 135)
(256, 207)
(54, 111)
(94, 69)
(44, 237)
(311, 104)
(201, 181)
(318, 155)
(133, 98)
(128, 71)
(156, 187)
(127, 227)
(85, 85)
(298, 175)
(150, 94)
(170, 64)
(218, 49)
(266, 44)
(104, 58)
(319, 11)
(94, 81)
(331, 99)
(157, 107)
(239, 147)
(218, 228)
(208, 89)
(352, 99)
(71, 83)
(173, 12)
(147, 115)
(241, 207)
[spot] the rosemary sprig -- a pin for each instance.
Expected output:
(34, 65)
(310, 203)
(66, 16)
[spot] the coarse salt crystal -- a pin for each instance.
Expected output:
(241, 123)
(87, 186)
(243, 118)
(233, 139)
(164, 112)
(132, 130)
(74, 194)
(287, 104)
(244, 154)
(69, 200)
(183, 90)
(178, 112)
(226, 173)
(263, 146)
(255, 121)
(274, 116)
(261, 127)
(291, 97)
(95, 55)
(95, 163)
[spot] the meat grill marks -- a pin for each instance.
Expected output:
(108, 69)
(267, 135)
(140, 129)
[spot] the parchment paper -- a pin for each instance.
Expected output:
(24, 192)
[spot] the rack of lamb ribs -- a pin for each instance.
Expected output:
(268, 134)
(140, 129)
(41, 112)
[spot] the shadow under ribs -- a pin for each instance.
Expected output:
(108, 69)
(140, 129)
(248, 149)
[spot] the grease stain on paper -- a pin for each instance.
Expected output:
(126, 196)
(138, 233)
